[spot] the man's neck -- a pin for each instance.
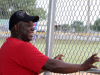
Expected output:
(17, 37)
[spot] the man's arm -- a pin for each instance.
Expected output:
(58, 57)
(41, 71)
(58, 66)
(61, 67)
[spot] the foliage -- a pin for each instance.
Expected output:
(96, 26)
(78, 25)
(7, 7)
(65, 27)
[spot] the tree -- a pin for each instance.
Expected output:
(65, 27)
(96, 26)
(78, 25)
(7, 7)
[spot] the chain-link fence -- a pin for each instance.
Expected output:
(76, 27)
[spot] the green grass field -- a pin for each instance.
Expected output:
(74, 51)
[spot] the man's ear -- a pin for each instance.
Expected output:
(16, 27)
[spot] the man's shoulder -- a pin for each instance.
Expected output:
(13, 40)
(19, 44)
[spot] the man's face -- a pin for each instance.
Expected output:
(26, 31)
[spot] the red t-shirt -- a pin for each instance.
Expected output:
(20, 58)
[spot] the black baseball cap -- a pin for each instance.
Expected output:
(21, 15)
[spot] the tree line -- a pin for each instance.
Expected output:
(7, 7)
(79, 26)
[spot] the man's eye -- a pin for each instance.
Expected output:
(30, 25)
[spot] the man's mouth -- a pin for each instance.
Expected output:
(31, 34)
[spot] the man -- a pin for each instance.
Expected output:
(19, 57)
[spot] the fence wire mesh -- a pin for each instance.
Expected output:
(77, 27)
(77, 30)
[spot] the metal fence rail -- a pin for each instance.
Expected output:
(76, 28)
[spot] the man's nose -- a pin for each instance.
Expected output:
(32, 28)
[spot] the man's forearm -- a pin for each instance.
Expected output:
(62, 67)
(67, 68)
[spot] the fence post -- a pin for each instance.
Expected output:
(50, 30)
(88, 21)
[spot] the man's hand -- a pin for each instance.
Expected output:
(59, 57)
(90, 61)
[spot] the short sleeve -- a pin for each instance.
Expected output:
(30, 57)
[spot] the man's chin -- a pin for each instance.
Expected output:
(30, 39)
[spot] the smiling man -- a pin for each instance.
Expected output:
(19, 57)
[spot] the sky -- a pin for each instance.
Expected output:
(68, 11)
